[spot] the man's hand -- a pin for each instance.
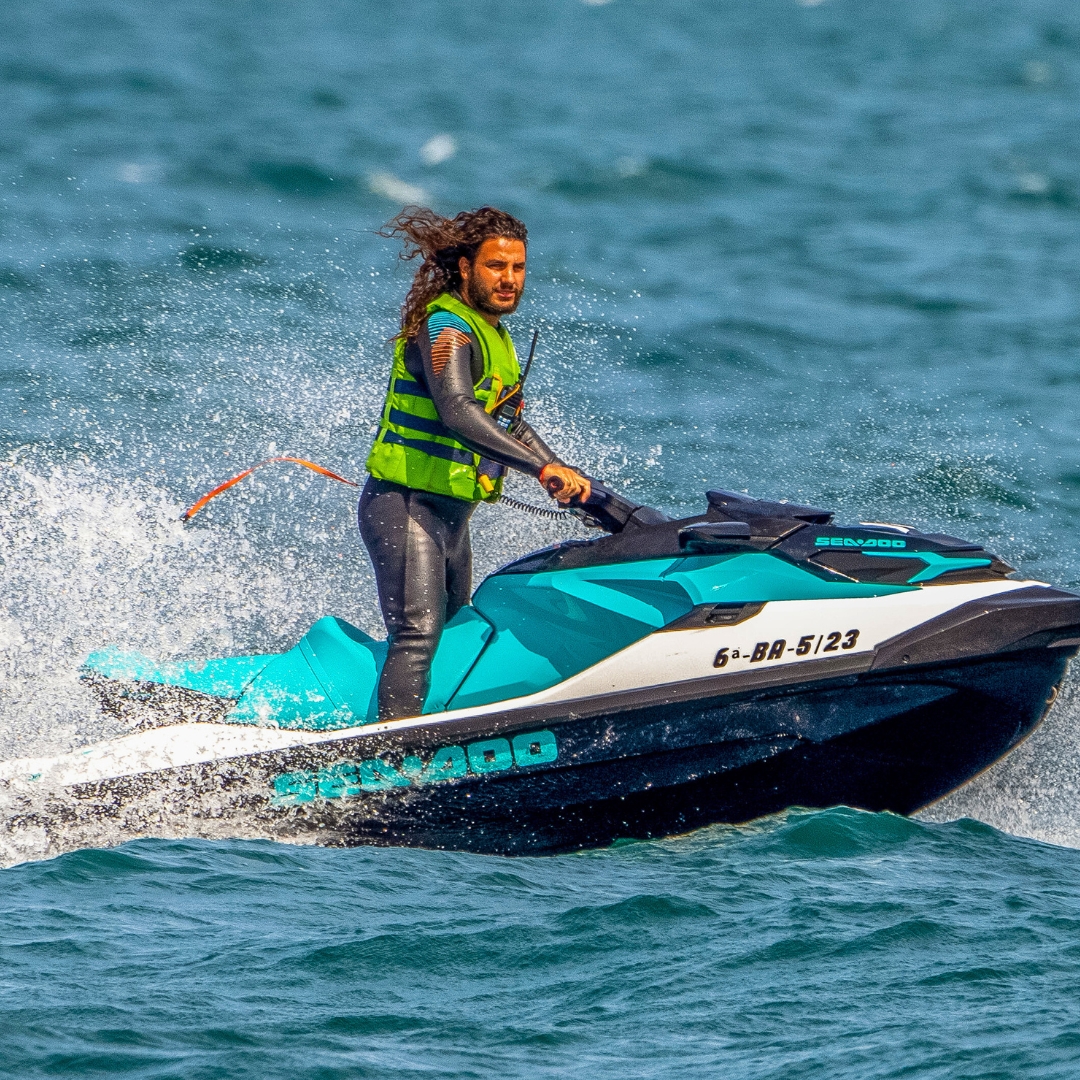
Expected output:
(565, 483)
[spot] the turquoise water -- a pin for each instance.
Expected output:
(822, 251)
(832, 944)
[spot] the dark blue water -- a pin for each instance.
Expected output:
(823, 251)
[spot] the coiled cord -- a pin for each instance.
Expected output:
(530, 508)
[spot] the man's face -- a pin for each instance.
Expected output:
(494, 281)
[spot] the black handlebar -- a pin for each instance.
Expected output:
(607, 510)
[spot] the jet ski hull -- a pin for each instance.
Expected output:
(913, 752)
(672, 760)
(893, 742)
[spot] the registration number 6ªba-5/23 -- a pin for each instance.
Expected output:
(808, 645)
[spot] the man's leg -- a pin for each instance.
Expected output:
(410, 570)
(459, 562)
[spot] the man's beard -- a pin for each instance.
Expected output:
(480, 299)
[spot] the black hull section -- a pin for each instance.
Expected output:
(895, 741)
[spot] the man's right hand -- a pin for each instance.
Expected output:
(565, 483)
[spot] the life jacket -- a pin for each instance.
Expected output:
(413, 447)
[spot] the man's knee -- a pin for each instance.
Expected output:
(416, 639)
(411, 623)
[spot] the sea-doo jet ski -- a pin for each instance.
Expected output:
(665, 676)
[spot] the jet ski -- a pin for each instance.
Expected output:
(661, 676)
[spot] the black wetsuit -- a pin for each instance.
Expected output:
(419, 541)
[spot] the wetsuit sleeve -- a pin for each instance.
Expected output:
(448, 372)
(523, 432)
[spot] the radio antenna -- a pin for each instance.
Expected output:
(532, 353)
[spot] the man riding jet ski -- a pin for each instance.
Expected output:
(665, 676)
(450, 427)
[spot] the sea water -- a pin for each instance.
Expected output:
(822, 251)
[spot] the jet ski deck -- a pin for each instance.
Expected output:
(669, 675)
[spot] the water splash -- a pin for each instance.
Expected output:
(1035, 791)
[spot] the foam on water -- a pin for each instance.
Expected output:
(1035, 791)
(94, 559)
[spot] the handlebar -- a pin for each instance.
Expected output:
(607, 510)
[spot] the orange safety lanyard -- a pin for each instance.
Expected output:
(321, 470)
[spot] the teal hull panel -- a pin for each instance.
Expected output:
(327, 681)
(523, 633)
(756, 577)
(550, 626)
(219, 678)
(461, 643)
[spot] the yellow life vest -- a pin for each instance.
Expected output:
(413, 447)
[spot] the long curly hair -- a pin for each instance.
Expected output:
(442, 242)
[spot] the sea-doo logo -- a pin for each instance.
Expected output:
(447, 763)
(858, 542)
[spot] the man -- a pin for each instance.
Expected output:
(440, 450)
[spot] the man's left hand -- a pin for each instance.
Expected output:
(565, 483)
